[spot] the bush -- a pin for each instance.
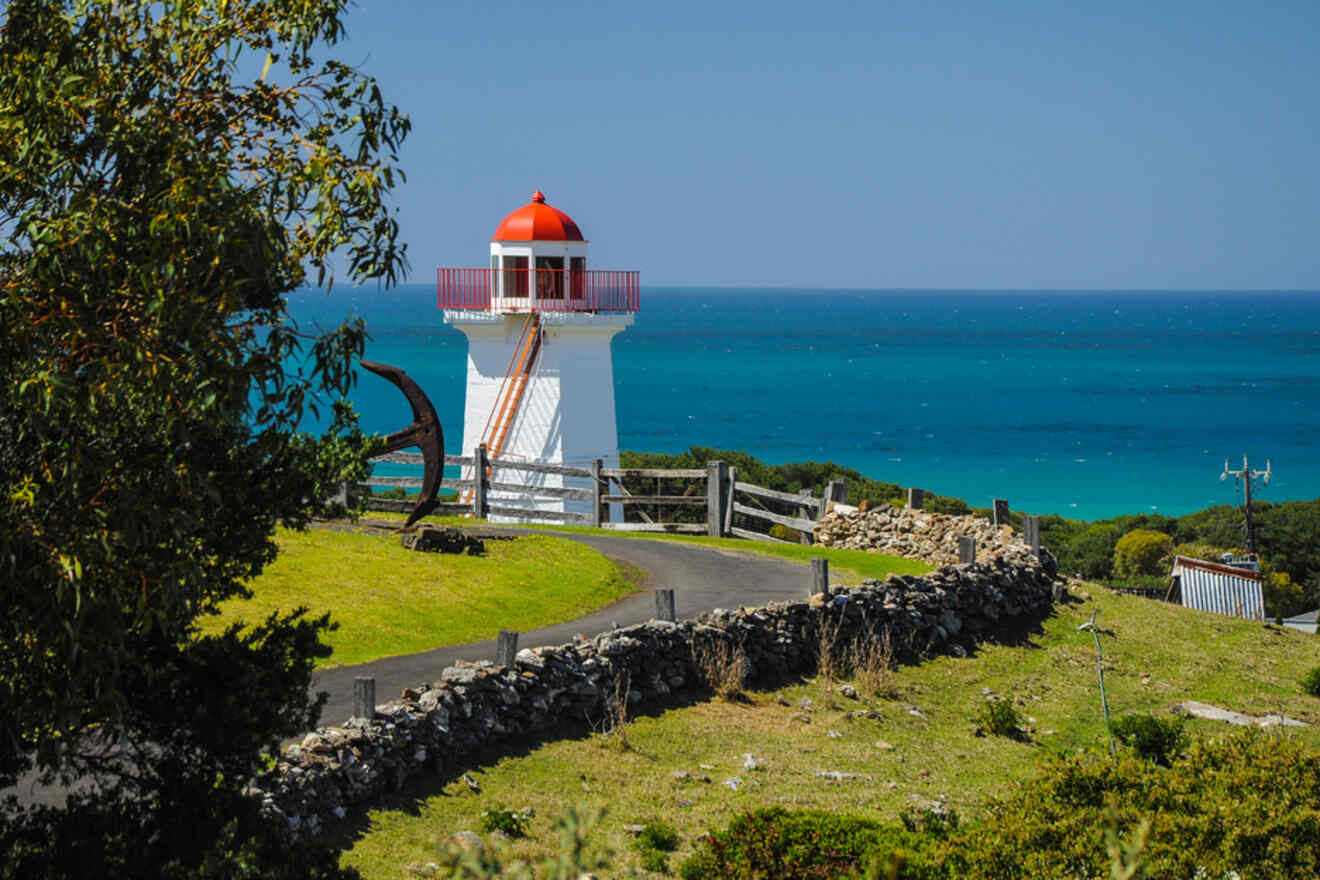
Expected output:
(658, 835)
(806, 845)
(1141, 551)
(514, 824)
(1242, 805)
(1311, 681)
(1000, 718)
(655, 840)
(1153, 739)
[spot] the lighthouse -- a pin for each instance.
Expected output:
(540, 375)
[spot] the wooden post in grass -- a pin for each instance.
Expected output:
(664, 606)
(717, 496)
(966, 550)
(820, 576)
(916, 498)
(479, 482)
(1031, 534)
(596, 513)
(506, 648)
(1001, 512)
(364, 697)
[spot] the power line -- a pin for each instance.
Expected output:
(1243, 478)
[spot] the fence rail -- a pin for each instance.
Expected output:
(604, 486)
(544, 290)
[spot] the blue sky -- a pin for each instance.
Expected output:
(877, 145)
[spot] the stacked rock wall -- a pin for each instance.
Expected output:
(474, 706)
(914, 534)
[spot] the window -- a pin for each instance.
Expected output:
(577, 277)
(549, 278)
(515, 276)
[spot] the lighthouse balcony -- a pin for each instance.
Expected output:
(513, 290)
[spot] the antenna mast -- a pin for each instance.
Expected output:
(1243, 478)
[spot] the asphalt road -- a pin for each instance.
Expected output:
(702, 579)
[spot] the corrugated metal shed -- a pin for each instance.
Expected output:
(1223, 589)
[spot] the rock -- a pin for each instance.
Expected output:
(438, 539)
(467, 841)
(800, 716)
(884, 746)
(733, 782)
(751, 762)
(833, 734)
(848, 691)
(840, 776)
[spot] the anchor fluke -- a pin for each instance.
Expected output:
(425, 433)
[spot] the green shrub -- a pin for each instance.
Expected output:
(1311, 681)
(1141, 551)
(1246, 804)
(655, 861)
(1000, 718)
(509, 822)
(1155, 740)
(655, 840)
(658, 835)
(806, 845)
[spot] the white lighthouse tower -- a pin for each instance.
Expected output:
(540, 377)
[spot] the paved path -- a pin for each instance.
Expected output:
(702, 578)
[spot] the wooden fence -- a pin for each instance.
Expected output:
(604, 486)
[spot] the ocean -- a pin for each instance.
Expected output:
(1085, 404)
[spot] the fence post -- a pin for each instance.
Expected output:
(805, 512)
(966, 550)
(479, 482)
(820, 576)
(506, 648)
(717, 496)
(728, 507)
(836, 490)
(1031, 533)
(364, 697)
(595, 492)
(664, 605)
(1001, 512)
(916, 498)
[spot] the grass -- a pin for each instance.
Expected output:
(846, 566)
(1162, 655)
(388, 600)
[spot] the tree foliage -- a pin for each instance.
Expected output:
(1142, 551)
(168, 173)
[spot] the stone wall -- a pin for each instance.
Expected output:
(472, 706)
(914, 534)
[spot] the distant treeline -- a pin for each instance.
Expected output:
(1287, 533)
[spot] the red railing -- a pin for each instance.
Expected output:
(546, 290)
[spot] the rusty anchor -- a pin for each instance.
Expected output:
(425, 433)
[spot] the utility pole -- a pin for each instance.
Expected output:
(1243, 478)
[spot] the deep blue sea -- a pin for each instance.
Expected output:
(1086, 404)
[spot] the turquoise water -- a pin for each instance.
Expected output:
(1084, 404)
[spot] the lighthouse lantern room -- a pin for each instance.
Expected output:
(540, 377)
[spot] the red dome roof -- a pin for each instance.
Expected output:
(537, 221)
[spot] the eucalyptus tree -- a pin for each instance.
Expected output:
(169, 173)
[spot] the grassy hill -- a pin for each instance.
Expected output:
(915, 747)
(387, 600)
